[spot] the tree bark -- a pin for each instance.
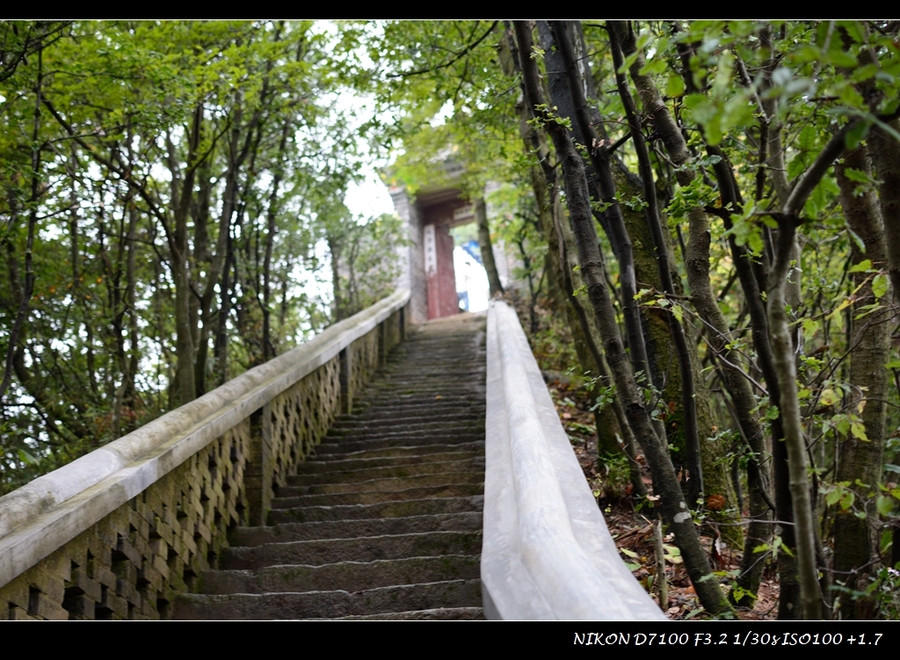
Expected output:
(860, 461)
(611, 218)
(487, 248)
(688, 409)
(610, 421)
(885, 153)
(675, 511)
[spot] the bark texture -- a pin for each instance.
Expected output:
(858, 460)
(674, 509)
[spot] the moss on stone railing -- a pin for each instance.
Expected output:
(118, 533)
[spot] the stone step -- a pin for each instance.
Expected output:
(464, 521)
(409, 392)
(395, 470)
(383, 521)
(338, 464)
(454, 381)
(373, 497)
(441, 614)
(429, 479)
(405, 450)
(331, 604)
(345, 575)
(387, 440)
(402, 419)
(394, 509)
(458, 378)
(463, 421)
(368, 548)
(425, 403)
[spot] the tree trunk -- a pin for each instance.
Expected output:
(610, 421)
(487, 249)
(694, 416)
(885, 153)
(859, 461)
(674, 509)
(688, 410)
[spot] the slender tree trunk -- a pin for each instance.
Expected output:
(688, 409)
(185, 389)
(704, 459)
(772, 164)
(487, 248)
(23, 299)
(783, 351)
(334, 248)
(674, 509)
(610, 421)
(859, 461)
(717, 331)
(611, 219)
(885, 153)
(759, 531)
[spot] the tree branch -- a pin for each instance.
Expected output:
(457, 56)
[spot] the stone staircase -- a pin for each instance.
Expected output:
(384, 522)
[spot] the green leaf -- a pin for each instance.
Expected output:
(880, 285)
(27, 458)
(854, 30)
(862, 266)
(840, 58)
(806, 53)
(829, 397)
(810, 327)
(885, 505)
(674, 86)
(859, 431)
(654, 66)
(671, 554)
(724, 73)
(864, 72)
(694, 101)
(848, 497)
(841, 423)
(856, 134)
(856, 239)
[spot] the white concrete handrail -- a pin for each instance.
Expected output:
(547, 552)
(51, 510)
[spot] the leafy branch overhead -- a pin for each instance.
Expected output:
(701, 216)
(766, 152)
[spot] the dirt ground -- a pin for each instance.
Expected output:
(633, 529)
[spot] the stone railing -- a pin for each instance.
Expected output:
(547, 553)
(119, 532)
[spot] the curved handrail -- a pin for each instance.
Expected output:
(51, 510)
(547, 553)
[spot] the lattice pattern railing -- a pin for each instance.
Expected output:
(118, 533)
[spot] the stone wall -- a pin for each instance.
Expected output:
(131, 564)
(125, 539)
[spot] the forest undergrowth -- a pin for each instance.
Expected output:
(630, 521)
